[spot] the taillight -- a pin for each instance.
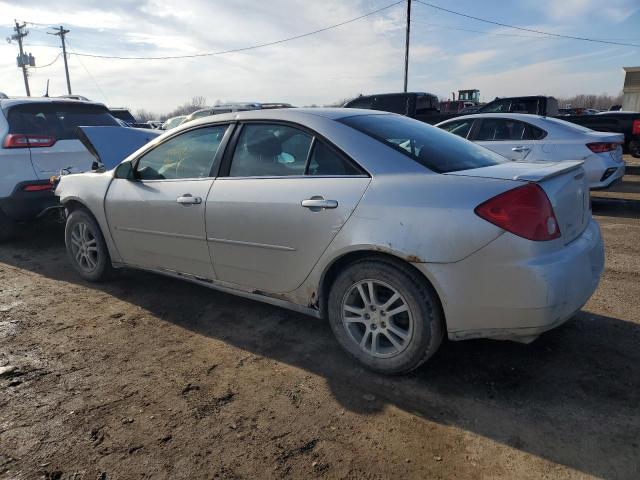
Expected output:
(635, 130)
(524, 211)
(39, 187)
(19, 140)
(601, 147)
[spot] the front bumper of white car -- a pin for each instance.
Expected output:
(490, 295)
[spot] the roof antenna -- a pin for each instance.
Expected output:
(46, 94)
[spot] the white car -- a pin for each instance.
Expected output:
(532, 138)
(39, 139)
(395, 231)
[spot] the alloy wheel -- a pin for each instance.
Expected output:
(377, 317)
(84, 247)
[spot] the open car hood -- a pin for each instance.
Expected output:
(111, 145)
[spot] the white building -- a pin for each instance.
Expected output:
(631, 90)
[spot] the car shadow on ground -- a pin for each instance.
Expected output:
(570, 397)
(615, 207)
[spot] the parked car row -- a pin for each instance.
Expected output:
(409, 104)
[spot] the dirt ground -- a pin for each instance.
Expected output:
(149, 377)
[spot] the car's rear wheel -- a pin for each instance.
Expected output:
(634, 149)
(7, 227)
(385, 316)
(86, 247)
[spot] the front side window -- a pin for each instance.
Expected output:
(459, 127)
(501, 129)
(188, 155)
(265, 150)
(429, 146)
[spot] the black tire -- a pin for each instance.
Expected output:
(634, 149)
(98, 266)
(7, 227)
(422, 304)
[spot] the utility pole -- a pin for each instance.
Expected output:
(406, 47)
(19, 35)
(61, 32)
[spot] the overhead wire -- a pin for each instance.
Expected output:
(242, 49)
(558, 35)
(50, 63)
(104, 95)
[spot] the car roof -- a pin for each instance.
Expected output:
(11, 102)
(285, 114)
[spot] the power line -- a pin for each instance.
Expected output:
(585, 39)
(449, 27)
(89, 73)
(243, 49)
(50, 63)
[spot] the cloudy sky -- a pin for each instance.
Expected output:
(365, 56)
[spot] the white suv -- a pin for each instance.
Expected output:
(38, 139)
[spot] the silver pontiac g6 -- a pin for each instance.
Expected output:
(396, 232)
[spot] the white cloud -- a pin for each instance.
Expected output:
(565, 10)
(474, 58)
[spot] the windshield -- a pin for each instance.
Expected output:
(172, 122)
(431, 147)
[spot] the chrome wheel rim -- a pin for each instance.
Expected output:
(84, 247)
(377, 318)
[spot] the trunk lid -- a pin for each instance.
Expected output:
(565, 184)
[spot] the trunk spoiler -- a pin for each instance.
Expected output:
(111, 145)
(522, 171)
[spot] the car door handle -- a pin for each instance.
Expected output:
(520, 148)
(188, 199)
(318, 203)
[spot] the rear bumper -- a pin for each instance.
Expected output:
(489, 295)
(599, 166)
(23, 206)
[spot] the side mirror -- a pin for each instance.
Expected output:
(125, 171)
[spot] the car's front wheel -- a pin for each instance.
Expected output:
(86, 247)
(385, 316)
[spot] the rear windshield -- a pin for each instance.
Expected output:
(431, 147)
(568, 125)
(58, 120)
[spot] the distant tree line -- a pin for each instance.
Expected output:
(599, 102)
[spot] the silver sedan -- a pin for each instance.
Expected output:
(396, 232)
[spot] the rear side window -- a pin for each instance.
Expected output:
(431, 147)
(270, 150)
(325, 161)
(501, 129)
(58, 120)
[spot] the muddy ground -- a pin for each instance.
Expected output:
(149, 377)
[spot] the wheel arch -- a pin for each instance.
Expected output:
(341, 262)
